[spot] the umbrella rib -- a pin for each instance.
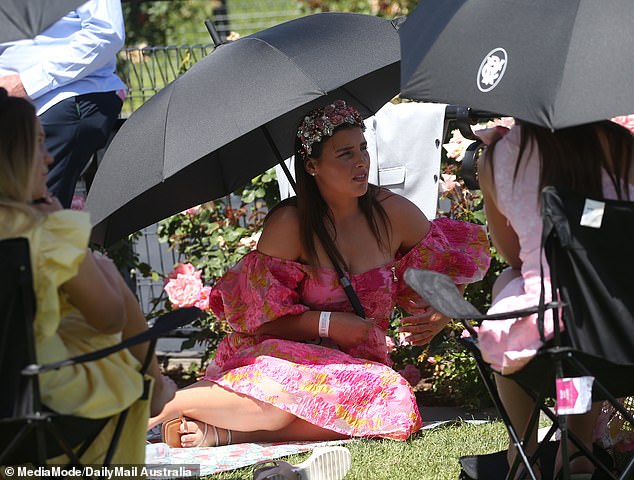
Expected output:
(293, 62)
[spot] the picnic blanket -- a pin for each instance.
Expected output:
(230, 457)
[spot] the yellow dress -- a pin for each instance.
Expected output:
(95, 389)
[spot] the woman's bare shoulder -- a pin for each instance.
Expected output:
(409, 223)
(280, 236)
(398, 207)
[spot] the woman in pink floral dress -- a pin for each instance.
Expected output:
(299, 363)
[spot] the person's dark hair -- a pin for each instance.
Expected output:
(314, 211)
(573, 158)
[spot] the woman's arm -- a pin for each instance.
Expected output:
(281, 238)
(502, 234)
(346, 329)
(94, 291)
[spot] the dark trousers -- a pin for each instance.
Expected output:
(75, 129)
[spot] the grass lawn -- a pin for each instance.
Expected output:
(428, 455)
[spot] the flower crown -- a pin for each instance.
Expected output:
(322, 122)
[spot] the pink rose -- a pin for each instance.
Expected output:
(403, 339)
(390, 344)
(447, 183)
(203, 301)
(183, 269)
(184, 287)
(193, 211)
(411, 374)
(456, 146)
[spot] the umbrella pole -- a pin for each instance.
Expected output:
(215, 37)
(287, 172)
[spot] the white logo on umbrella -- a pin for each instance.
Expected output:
(492, 69)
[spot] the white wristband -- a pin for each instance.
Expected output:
(324, 324)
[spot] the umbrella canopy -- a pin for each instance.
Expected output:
(234, 114)
(20, 19)
(553, 63)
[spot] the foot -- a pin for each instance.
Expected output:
(164, 391)
(199, 434)
(581, 467)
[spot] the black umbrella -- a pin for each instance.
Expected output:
(555, 63)
(233, 115)
(20, 19)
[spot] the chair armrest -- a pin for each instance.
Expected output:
(441, 293)
(163, 324)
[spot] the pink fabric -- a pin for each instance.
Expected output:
(354, 392)
(509, 344)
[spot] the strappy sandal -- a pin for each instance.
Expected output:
(216, 437)
(325, 463)
(171, 433)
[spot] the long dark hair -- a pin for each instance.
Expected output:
(314, 211)
(574, 158)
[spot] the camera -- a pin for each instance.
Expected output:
(469, 165)
(464, 117)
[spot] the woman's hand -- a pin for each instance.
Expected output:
(348, 330)
(419, 329)
(48, 204)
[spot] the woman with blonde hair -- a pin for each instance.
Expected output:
(82, 302)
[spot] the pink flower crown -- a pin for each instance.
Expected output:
(322, 122)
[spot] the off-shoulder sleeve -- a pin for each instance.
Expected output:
(258, 289)
(62, 244)
(455, 248)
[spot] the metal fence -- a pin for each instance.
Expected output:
(240, 16)
(146, 70)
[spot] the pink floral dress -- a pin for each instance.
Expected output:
(354, 392)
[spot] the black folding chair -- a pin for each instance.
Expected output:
(29, 431)
(589, 246)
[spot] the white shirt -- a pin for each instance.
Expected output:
(74, 56)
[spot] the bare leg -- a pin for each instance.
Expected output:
(247, 418)
(164, 387)
(297, 430)
(516, 402)
(582, 426)
(518, 406)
